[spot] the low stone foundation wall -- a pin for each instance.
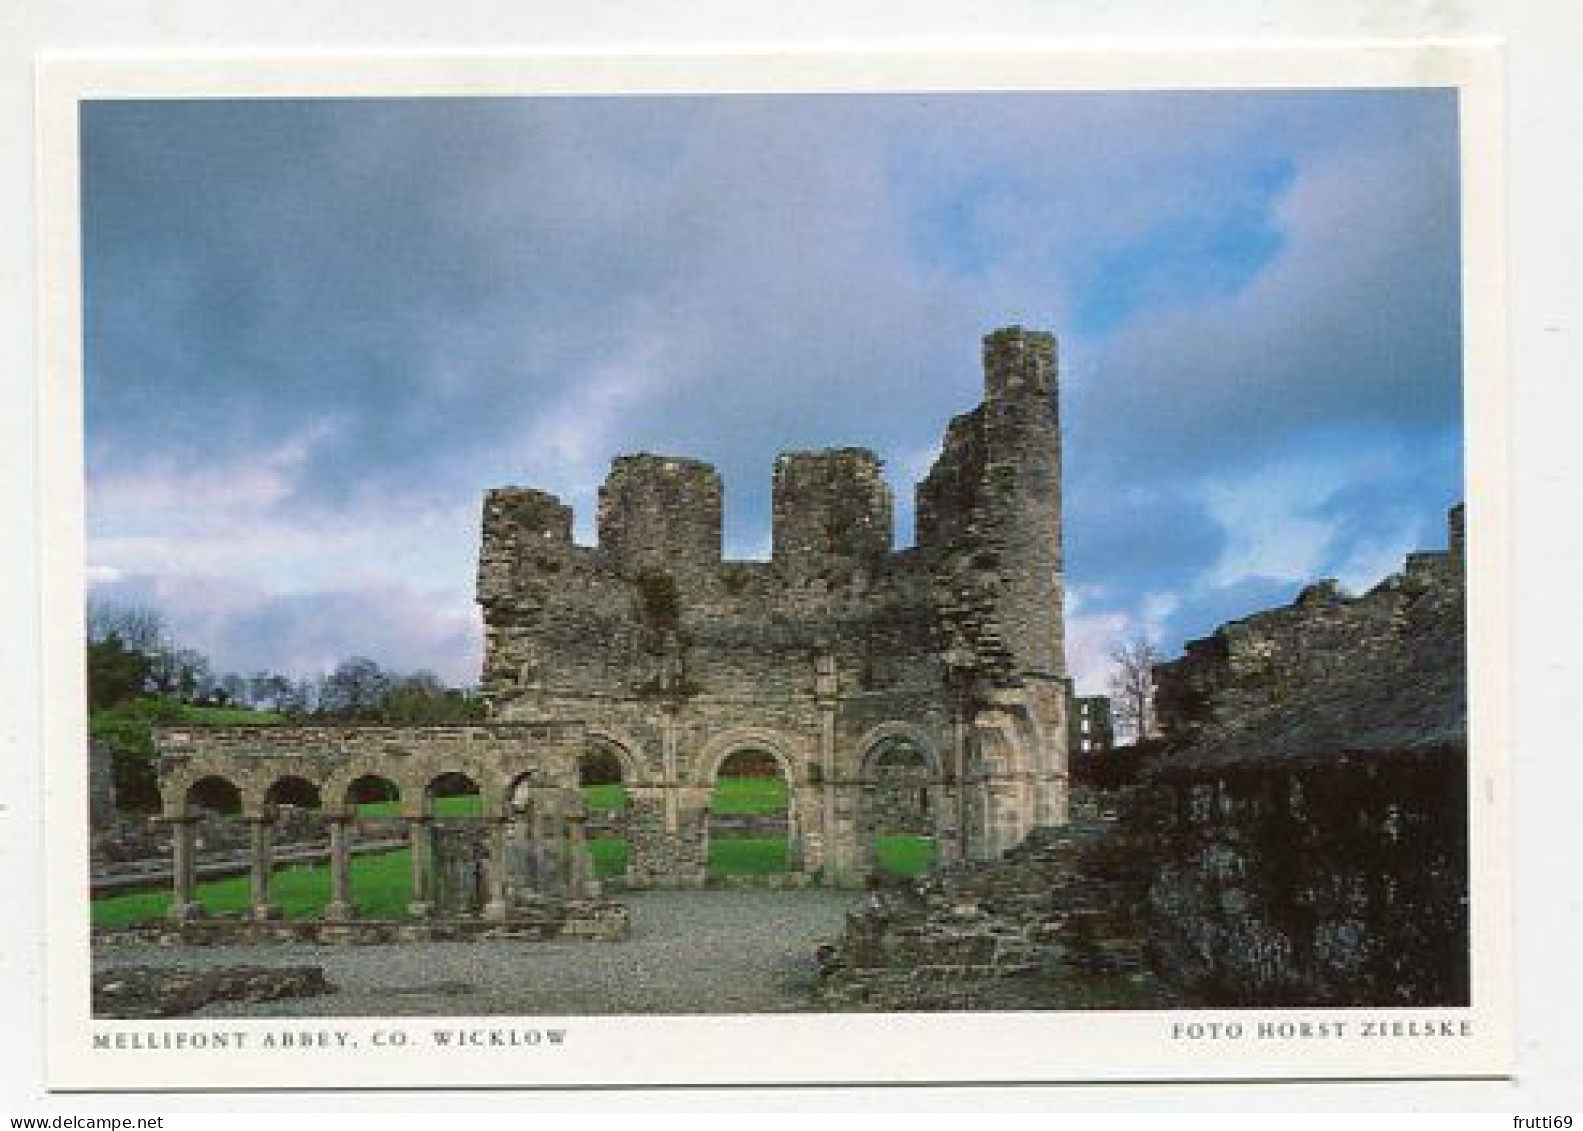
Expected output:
(1334, 881)
(1316, 882)
(780, 881)
(130, 992)
(1054, 924)
(602, 920)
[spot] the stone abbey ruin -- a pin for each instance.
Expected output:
(926, 685)
(1296, 835)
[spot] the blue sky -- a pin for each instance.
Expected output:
(318, 330)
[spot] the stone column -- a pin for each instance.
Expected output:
(692, 837)
(580, 880)
(184, 895)
(496, 907)
(865, 825)
(421, 832)
(649, 845)
(340, 907)
(668, 777)
(946, 806)
(845, 846)
(827, 686)
(263, 864)
(796, 852)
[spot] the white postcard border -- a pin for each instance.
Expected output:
(772, 1049)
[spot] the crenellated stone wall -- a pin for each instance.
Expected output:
(678, 658)
(651, 653)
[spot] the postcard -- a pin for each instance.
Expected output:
(642, 570)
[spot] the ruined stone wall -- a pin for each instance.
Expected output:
(651, 636)
(1309, 815)
(1330, 881)
(1298, 838)
(1054, 924)
(991, 506)
(563, 620)
(102, 810)
(1381, 670)
(1091, 731)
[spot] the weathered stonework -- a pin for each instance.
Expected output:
(1054, 924)
(1309, 818)
(1297, 838)
(152, 991)
(834, 657)
(920, 690)
(1092, 729)
(102, 811)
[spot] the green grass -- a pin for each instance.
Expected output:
(381, 884)
(467, 805)
(230, 716)
(747, 855)
(605, 798)
(732, 797)
(904, 855)
(610, 856)
(736, 797)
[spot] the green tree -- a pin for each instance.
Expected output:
(115, 672)
(356, 689)
(127, 727)
(421, 698)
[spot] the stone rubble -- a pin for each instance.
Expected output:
(150, 991)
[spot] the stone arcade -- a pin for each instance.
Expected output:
(848, 666)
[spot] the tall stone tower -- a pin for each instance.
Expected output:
(1022, 486)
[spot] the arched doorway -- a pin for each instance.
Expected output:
(286, 844)
(217, 833)
(899, 809)
(751, 825)
(455, 882)
(379, 882)
(606, 805)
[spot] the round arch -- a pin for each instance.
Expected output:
(873, 744)
(216, 792)
(339, 782)
(176, 792)
(456, 783)
(292, 789)
(626, 750)
(739, 739)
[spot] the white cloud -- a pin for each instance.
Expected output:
(244, 628)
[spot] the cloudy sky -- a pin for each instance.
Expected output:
(318, 330)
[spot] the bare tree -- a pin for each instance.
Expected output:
(1132, 687)
(137, 627)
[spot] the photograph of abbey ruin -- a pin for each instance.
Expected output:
(651, 555)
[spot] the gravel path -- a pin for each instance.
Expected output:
(689, 952)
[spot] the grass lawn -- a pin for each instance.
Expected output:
(610, 856)
(467, 805)
(904, 855)
(230, 716)
(382, 884)
(735, 797)
(747, 855)
(731, 797)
